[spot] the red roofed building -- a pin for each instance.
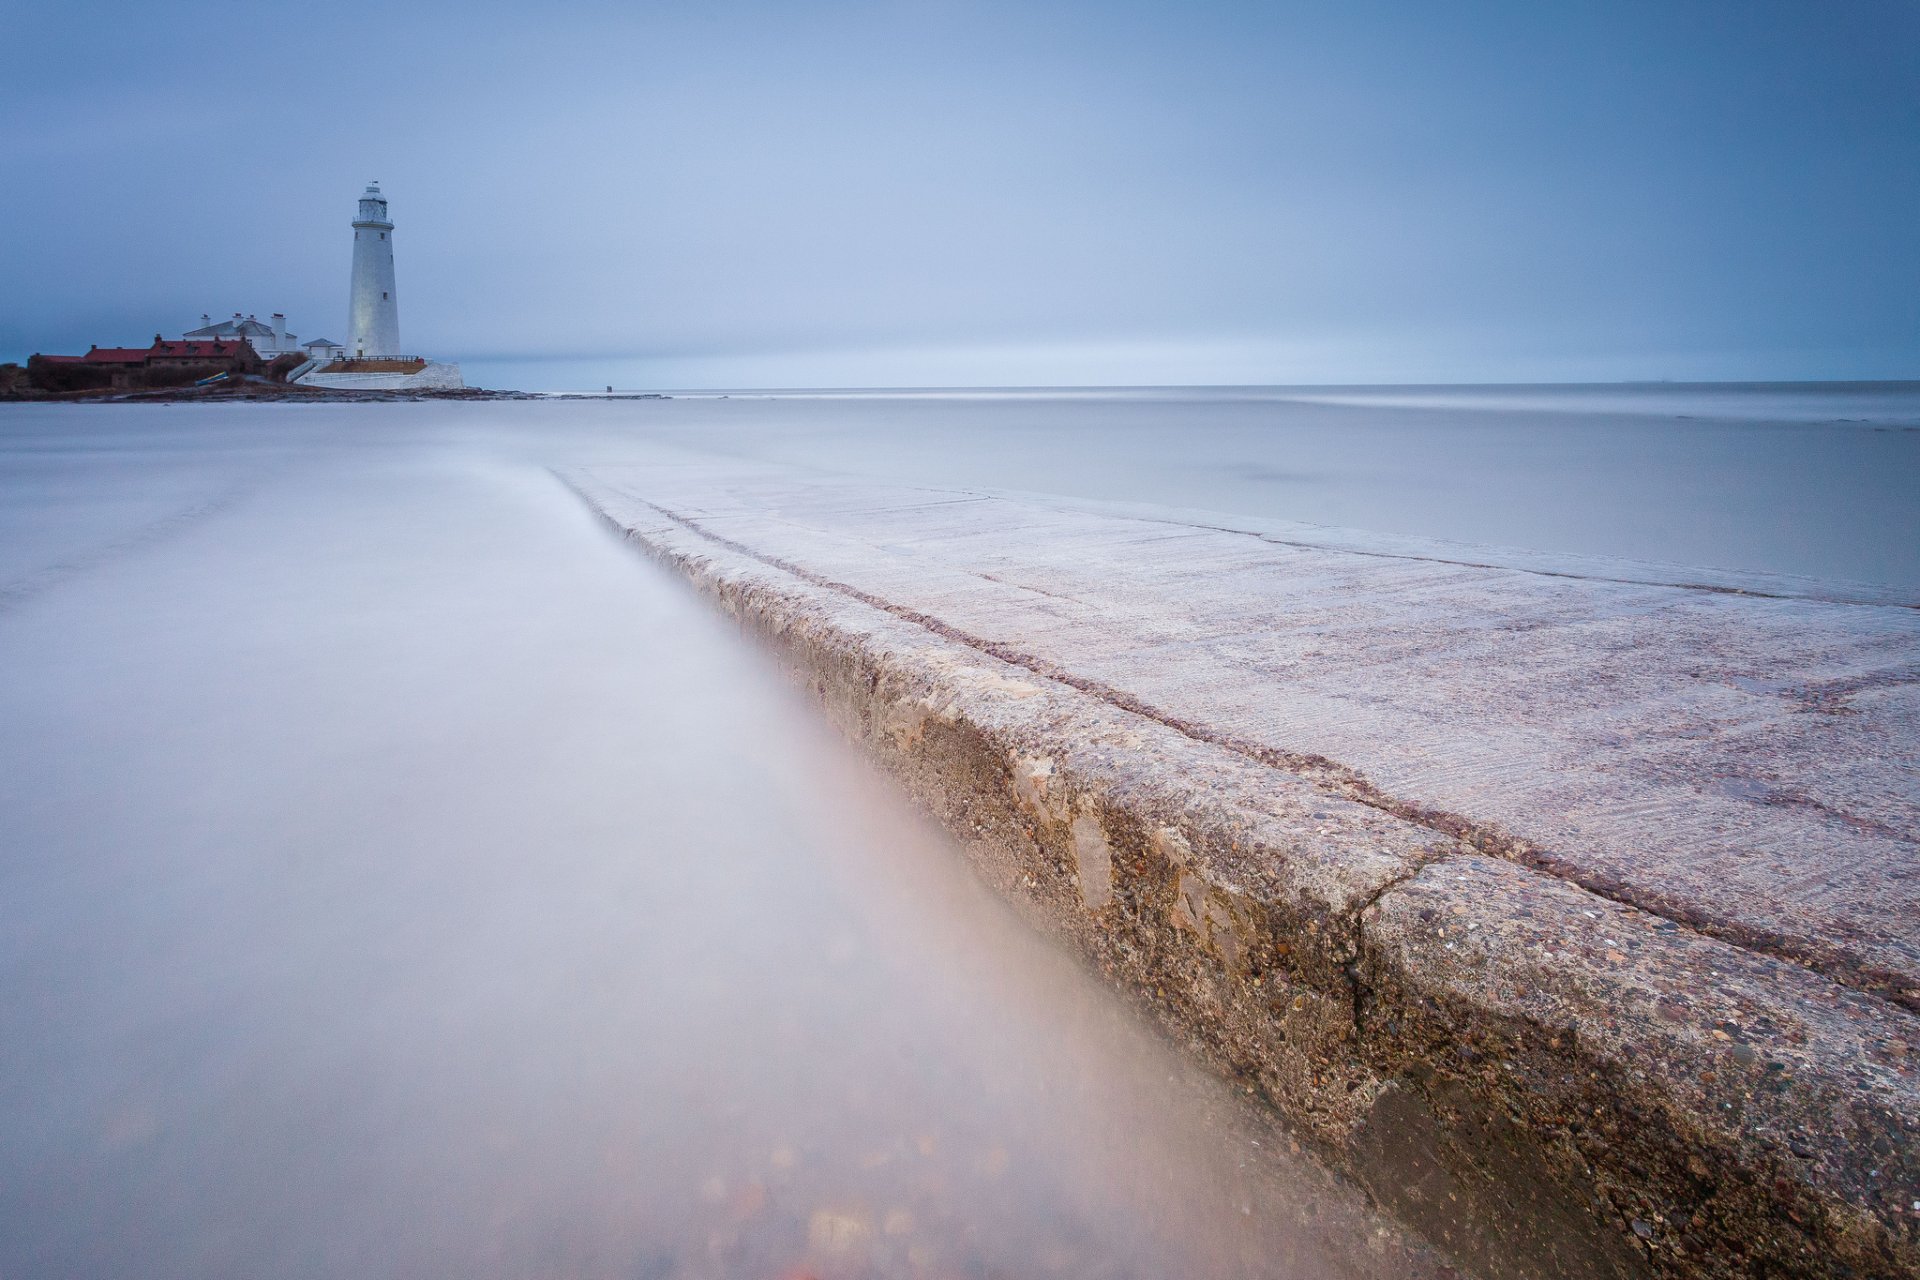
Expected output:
(236, 353)
(115, 355)
(164, 364)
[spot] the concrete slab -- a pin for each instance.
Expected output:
(1597, 890)
(1747, 766)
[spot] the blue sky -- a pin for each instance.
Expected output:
(943, 192)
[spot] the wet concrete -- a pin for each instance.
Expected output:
(1573, 912)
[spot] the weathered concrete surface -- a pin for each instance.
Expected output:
(1577, 917)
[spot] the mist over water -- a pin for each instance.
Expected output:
(405, 879)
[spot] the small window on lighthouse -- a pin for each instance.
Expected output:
(383, 235)
(383, 294)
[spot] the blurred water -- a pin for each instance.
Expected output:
(404, 879)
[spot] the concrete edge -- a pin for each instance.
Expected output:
(1543, 1081)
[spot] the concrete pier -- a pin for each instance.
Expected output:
(1571, 908)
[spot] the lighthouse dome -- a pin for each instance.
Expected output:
(373, 205)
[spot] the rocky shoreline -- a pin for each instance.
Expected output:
(257, 392)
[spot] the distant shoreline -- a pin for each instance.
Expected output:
(260, 393)
(254, 392)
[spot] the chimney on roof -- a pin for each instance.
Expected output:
(205, 319)
(280, 328)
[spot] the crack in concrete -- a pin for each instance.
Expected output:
(1356, 986)
(1021, 586)
(1678, 584)
(1710, 588)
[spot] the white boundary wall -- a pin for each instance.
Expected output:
(435, 375)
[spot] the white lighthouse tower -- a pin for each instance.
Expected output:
(373, 321)
(373, 314)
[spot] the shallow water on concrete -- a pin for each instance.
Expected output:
(404, 879)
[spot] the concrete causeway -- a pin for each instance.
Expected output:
(1572, 907)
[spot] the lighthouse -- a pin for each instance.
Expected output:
(373, 311)
(373, 321)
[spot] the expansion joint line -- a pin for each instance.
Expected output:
(1710, 588)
